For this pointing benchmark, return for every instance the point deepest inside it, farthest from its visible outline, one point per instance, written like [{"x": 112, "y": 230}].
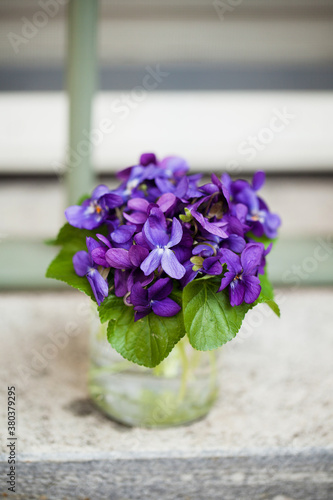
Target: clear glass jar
[{"x": 179, "y": 390}]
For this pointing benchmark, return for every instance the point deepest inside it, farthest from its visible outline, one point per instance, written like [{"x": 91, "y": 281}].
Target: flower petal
[
  {"x": 155, "y": 228},
  {"x": 82, "y": 218},
  {"x": 251, "y": 257},
  {"x": 99, "y": 191},
  {"x": 176, "y": 233},
  {"x": 252, "y": 288},
  {"x": 82, "y": 263},
  {"x": 212, "y": 266},
  {"x": 123, "y": 233},
  {"x": 118, "y": 258},
  {"x": 166, "y": 307},
  {"x": 258, "y": 180},
  {"x": 98, "y": 256},
  {"x": 171, "y": 265},
  {"x": 139, "y": 295},
  {"x": 232, "y": 260},
  {"x": 137, "y": 254},
  {"x": 160, "y": 289},
  {"x": 236, "y": 293},
  {"x": 111, "y": 200},
  {"x": 226, "y": 280},
  {"x": 120, "y": 282},
  {"x": 152, "y": 261},
  {"x": 98, "y": 285},
  {"x": 138, "y": 204},
  {"x": 166, "y": 201}
]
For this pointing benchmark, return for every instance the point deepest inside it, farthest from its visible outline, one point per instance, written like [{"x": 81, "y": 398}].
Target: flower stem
[{"x": 185, "y": 371}]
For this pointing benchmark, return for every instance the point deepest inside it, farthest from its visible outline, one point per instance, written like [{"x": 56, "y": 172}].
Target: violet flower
[
  {"x": 241, "y": 277},
  {"x": 155, "y": 233},
  {"x": 127, "y": 268},
  {"x": 85, "y": 266},
  {"x": 154, "y": 299},
  {"x": 94, "y": 211}
]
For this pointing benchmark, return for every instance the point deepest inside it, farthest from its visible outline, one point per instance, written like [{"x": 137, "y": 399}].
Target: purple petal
[
  {"x": 123, "y": 233},
  {"x": 235, "y": 243},
  {"x": 98, "y": 256},
  {"x": 147, "y": 158},
  {"x": 271, "y": 224},
  {"x": 160, "y": 290},
  {"x": 176, "y": 233},
  {"x": 164, "y": 185},
  {"x": 252, "y": 288},
  {"x": 182, "y": 187},
  {"x": 236, "y": 293},
  {"x": 232, "y": 260},
  {"x": 152, "y": 261},
  {"x": 166, "y": 201},
  {"x": 226, "y": 280},
  {"x": 104, "y": 240},
  {"x": 120, "y": 282},
  {"x": 154, "y": 229},
  {"x": 137, "y": 254},
  {"x": 258, "y": 180},
  {"x": 166, "y": 307},
  {"x": 136, "y": 275},
  {"x": 212, "y": 266},
  {"x": 204, "y": 250},
  {"x": 249, "y": 198},
  {"x": 251, "y": 257},
  {"x": 138, "y": 204},
  {"x": 141, "y": 314},
  {"x": 82, "y": 263},
  {"x": 118, "y": 258},
  {"x": 171, "y": 265},
  {"x": 80, "y": 217},
  {"x": 99, "y": 191},
  {"x": 141, "y": 240},
  {"x": 174, "y": 165},
  {"x": 112, "y": 200},
  {"x": 91, "y": 244},
  {"x": 98, "y": 285},
  {"x": 211, "y": 227},
  {"x": 189, "y": 274},
  {"x": 136, "y": 217},
  {"x": 139, "y": 295}
]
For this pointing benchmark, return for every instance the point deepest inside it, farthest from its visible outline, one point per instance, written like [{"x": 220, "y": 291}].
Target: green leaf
[
  {"x": 262, "y": 239},
  {"x": 267, "y": 294},
  {"x": 146, "y": 341},
  {"x": 210, "y": 320},
  {"x": 69, "y": 235},
  {"x": 61, "y": 268},
  {"x": 266, "y": 286},
  {"x": 111, "y": 308}
]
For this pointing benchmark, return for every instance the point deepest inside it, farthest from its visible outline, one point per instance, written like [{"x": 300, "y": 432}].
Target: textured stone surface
[{"x": 269, "y": 435}]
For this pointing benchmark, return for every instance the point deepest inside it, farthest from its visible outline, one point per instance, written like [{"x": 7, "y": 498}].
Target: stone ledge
[
  {"x": 281, "y": 476},
  {"x": 268, "y": 437}
]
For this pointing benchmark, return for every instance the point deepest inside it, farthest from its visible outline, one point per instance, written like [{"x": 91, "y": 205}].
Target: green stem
[{"x": 185, "y": 371}]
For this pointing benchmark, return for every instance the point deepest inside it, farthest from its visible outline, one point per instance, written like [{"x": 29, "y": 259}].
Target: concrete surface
[{"x": 268, "y": 437}]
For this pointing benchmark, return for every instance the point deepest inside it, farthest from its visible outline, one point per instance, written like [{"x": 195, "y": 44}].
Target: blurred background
[{"x": 232, "y": 85}]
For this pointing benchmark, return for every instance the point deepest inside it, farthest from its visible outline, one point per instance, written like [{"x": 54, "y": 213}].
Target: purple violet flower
[
  {"x": 94, "y": 211},
  {"x": 155, "y": 233},
  {"x": 241, "y": 277},
  {"x": 127, "y": 268},
  {"x": 154, "y": 299},
  {"x": 85, "y": 266}
]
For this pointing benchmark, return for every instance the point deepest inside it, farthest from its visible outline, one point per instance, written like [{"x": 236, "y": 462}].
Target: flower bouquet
[{"x": 165, "y": 257}]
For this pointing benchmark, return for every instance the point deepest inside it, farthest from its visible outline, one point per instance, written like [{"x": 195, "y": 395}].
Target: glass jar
[{"x": 179, "y": 390}]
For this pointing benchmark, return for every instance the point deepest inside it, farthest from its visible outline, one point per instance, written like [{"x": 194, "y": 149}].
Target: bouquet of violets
[{"x": 165, "y": 257}]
